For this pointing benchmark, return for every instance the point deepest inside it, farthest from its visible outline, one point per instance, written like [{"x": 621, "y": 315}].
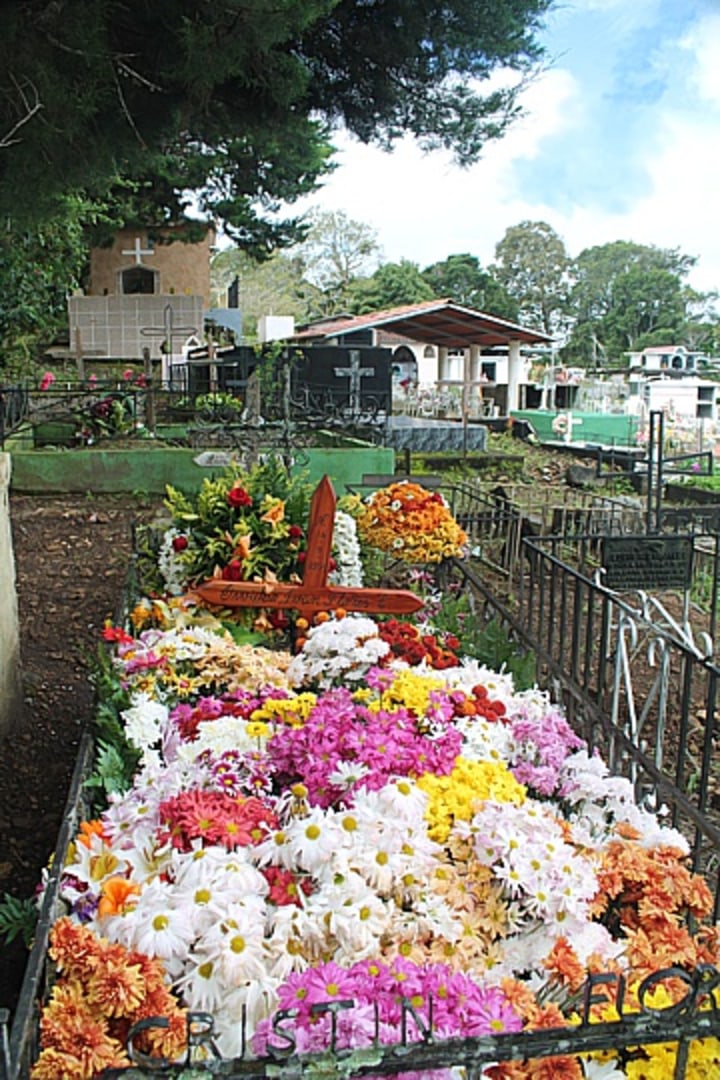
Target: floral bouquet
[{"x": 411, "y": 523}]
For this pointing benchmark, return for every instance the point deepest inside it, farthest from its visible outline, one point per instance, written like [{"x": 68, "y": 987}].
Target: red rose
[
  {"x": 239, "y": 497},
  {"x": 295, "y": 532},
  {"x": 179, "y": 543},
  {"x": 233, "y": 571}
]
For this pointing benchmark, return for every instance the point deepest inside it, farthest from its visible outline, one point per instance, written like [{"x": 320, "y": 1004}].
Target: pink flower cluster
[
  {"x": 451, "y": 1001},
  {"x": 545, "y": 743},
  {"x": 386, "y": 744}
]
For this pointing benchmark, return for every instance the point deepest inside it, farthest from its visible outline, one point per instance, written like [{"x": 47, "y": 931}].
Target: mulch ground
[{"x": 71, "y": 559}]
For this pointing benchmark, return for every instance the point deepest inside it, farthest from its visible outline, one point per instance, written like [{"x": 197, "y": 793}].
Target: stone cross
[
  {"x": 314, "y": 594},
  {"x": 355, "y": 373},
  {"x": 168, "y": 330},
  {"x": 138, "y": 252}
]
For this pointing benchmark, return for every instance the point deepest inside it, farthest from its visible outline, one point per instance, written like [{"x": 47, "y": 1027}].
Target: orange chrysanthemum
[{"x": 563, "y": 962}]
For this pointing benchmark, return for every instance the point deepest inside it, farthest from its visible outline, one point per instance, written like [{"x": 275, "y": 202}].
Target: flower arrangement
[
  {"x": 248, "y": 526},
  {"x": 411, "y": 523},
  {"x": 359, "y": 822},
  {"x": 292, "y": 838}
]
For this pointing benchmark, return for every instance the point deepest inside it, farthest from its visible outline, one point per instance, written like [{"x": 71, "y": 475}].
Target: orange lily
[{"x": 115, "y": 894}]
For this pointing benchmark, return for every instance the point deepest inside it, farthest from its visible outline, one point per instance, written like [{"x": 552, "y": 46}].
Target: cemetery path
[{"x": 71, "y": 557}]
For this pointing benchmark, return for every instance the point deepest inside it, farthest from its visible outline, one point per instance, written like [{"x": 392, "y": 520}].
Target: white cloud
[
  {"x": 595, "y": 170},
  {"x": 703, "y": 42}
]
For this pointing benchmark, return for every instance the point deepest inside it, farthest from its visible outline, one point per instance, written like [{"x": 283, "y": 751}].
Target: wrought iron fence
[{"x": 14, "y": 404}]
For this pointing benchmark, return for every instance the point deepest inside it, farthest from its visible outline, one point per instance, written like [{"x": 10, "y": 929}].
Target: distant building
[{"x": 148, "y": 289}]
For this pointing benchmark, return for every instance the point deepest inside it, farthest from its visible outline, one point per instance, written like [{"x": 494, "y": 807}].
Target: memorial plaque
[{"x": 651, "y": 563}]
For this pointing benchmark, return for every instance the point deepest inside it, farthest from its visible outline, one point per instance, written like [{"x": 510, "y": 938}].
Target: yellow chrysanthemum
[
  {"x": 456, "y": 797},
  {"x": 410, "y": 690},
  {"x": 292, "y": 711}
]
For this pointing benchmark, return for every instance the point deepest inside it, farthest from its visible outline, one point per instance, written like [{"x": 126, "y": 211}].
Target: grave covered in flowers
[{"x": 338, "y": 839}]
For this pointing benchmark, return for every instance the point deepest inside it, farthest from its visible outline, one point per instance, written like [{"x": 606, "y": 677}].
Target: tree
[
  {"x": 625, "y": 296},
  {"x": 461, "y": 278},
  {"x": 154, "y": 105},
  {"x": 533, "y": 265},
  {"x": 38, "y": 267},
  {"x": 392, "y": 285},
  {"x": 335, "y": 253},
  {"x": 276, "y": 286}
]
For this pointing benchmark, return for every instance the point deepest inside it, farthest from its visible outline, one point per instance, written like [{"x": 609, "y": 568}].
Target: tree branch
[{"x": 31, "y": 107}]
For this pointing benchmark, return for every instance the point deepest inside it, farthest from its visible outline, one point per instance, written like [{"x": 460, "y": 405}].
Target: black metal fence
[{"x": 14, "y": 406}]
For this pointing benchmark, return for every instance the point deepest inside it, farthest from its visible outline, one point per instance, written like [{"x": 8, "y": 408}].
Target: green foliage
[
  {"x": 336, "y": 252},
  {"x": 460, "y": 278},
  {"x": 256, "y": 532},
  {"x": 533, "y": 265},
  {"x": 488, "y": 643},
  {"x": 18, "y": 918},
  {"x": 39, "y": 266},
  {"x": 625, "y": 296},
  {"x": 110, "y": 772},
  {"x": 116, "y": 760},
  {"x": 142, "y": 105},
  {"x": 391, "y": 285}
]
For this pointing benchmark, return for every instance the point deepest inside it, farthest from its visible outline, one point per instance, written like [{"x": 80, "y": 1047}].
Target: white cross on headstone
[
  {"x": 138, "y": 251},
  {"x": 355, "y": 373}
]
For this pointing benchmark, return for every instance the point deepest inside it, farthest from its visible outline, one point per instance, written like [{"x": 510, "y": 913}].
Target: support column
[
  {"x": 442, "y": 363},
  {"x": 10, "y": 692},
  {"x": 514, "y": 376}
]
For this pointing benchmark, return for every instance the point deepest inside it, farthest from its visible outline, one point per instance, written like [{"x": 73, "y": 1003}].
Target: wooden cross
[
  {"x": 314, "y": 594},
  {"x": 168, "y": 330},
  {"x": 138, "y": 252},
  {"x": 355, "y": 373}
]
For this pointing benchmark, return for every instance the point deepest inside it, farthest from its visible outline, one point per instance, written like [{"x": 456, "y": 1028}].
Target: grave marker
[{"x": 314, "y": 594}]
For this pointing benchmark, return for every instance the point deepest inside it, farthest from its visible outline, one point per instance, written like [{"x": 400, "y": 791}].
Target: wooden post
[{"x": 149, "y": 392}]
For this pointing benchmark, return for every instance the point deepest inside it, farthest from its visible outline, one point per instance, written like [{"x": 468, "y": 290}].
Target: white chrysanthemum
[
  {"x": 145, "y": 721},
  {"x": 235, "y": 943},
  {"x": 339, "y": 650},
  {"x": 171, "y": 564},
  {"x": 355, "y": 917},
  {"x": 155, "y": 926},
  {"x": 187, "y": 642},
  {"x": 349, "y": 570},
  {"x": 470, "y": 673},
  {"x": 286, "y": 940},
  {"x": 314, "y": 839},
  {"x": 485, "y": 740},
  {"x": 219, "y": 735}
]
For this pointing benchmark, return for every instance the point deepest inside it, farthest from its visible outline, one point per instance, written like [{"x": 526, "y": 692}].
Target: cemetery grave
[{"x": 419, "y": 1061}]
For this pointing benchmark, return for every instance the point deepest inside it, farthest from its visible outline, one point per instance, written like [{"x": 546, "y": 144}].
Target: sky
[{"x": 620, "y": 141}]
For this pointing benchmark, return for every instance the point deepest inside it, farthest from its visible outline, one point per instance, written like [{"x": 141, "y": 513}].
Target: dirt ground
[{"x": 71, "y": 558}]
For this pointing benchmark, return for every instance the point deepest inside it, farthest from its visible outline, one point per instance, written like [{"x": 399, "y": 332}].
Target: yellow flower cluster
[
  {"x": 658, "y": 1060},
  {"x": 409, "y": 690},
  {"x": 292, "y": 711},
  {"x": 456, "y": 797},
  {"x": 411, "y": 523}
]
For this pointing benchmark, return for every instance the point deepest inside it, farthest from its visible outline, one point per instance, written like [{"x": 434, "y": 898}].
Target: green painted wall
[
  {"x": 45, "y": 472},
  {"x": 606, "y": 429}
]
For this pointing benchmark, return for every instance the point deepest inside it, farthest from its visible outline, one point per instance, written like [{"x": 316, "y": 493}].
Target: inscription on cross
[
  {"x": 314, "y": 594},
  {"x": 355, "y": 373}
]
